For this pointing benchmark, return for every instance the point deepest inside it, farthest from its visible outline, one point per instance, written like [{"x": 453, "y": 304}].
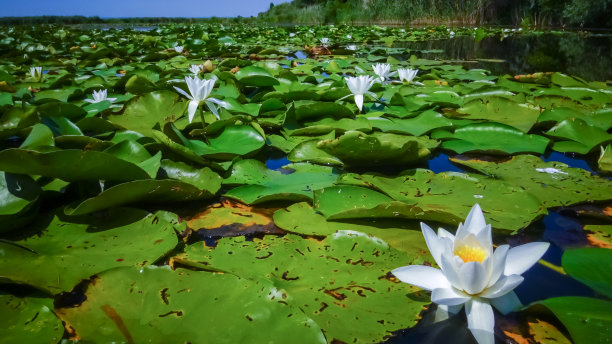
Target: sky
[{"x": 136, "y": 8}]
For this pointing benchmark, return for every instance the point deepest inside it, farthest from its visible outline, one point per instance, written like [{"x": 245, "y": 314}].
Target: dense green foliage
[
  {"x": 108, "y": 186},
  {"x": 590, "y": 13}
]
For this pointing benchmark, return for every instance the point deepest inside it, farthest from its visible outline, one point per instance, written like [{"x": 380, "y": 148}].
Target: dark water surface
[{"x": 589, "y": 57}]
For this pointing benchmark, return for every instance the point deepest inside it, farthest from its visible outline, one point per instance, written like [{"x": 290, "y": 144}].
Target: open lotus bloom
[
  {"x": 472, "y": 273},
  {"x": 359, "y": 86},
  {"x": 199, "y": 91},
  {"x": 383, "y": 70},
  {"x": 36, "y": 72},
  {"x": 407, "y": 74},
  {"x": 179, "y": 49},
  {"x": 99, "y": 96}
]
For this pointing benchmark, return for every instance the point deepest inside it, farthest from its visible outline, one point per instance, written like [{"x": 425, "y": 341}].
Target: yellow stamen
[{"x": 470, "y": 254}]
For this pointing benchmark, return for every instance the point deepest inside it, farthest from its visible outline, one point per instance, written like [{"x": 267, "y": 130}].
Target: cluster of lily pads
[{"x": 125, "y": 217}]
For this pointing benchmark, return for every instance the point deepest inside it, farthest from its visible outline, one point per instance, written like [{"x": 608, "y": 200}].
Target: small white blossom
[
  {"x": 407, "y": 74},
  {"x": 359, "y": 86},
  {"x": 179, "y": 49},
  {"x": 99, "y": 96},
  {"x": 199, "y": 91},
  {"x": 383, "y": 70}
]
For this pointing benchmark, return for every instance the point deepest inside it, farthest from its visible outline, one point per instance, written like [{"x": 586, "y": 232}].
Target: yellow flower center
[{"x": 470, "y": 254}]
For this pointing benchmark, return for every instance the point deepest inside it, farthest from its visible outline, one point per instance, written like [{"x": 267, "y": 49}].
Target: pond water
[{"x": 589, "y": 57}]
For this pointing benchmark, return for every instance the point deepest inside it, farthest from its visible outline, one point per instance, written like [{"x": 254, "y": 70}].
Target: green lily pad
[
  {"x": 590, "y": 266},
  {"x": 67, "y": 250},
  {"x": 143, "y": 113},
  {"x": 29, "y": 320},
  {"x": 502, "y": 110},
  {"x": 341, "y": 282},
  {"x": 581, "y": 137},
  {"x": 40, "y": 136},
  {"x": 92, "y": 165},
  {"x": 264, "y": 185},
  {"x": 255, "y": 76},
  {"x": 158, "y": 305},
  {"x": 309, "y": 110},
  {"x": 18, "y": 194},
  {"x": 599, "y": 235},
  {"x": 233, "y": 141},
  {"x": 356, "y": 148},
  {"x": 419, "y": 125},
  {"x": 587, "y": 320},
  {"x": 491, "y": 138},
  {"x": 553, "y": 183},
  {"x": 142, "y": 191},
  {"x": 447, "y": 197}
]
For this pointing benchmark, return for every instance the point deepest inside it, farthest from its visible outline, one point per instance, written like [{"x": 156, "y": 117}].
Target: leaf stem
[{"x": 553, "y": 267}]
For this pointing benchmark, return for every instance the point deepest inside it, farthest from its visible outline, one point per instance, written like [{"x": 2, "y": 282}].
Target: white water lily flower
[
  {"x": 199, "y": 91},
  {"x": 472, "y": 273},
  {"x": 359, "y": 86},
  {"x": 179, "y": 49},
  {"x": 407, "y": 74},
  {"x": 36, "y": 72},
  {"x": 349, "y": 36},
  {"x": 324, "y": 41},
  {"x": 292, "y": 34},
  {"x": 383, "y": 70},
  {"x": 99, "y": 96},
  {"x": 195, "y": 69},
  {"x": 351, "y": 47}
]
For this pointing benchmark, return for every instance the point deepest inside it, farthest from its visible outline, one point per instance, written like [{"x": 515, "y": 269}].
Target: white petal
[
  {"x": 193, "y": 106},
  {"x": 505, "y": 285},
  {"x": 474, "y": 277},
  {"x": 433, "y": 243},
  {"x": 221, "y": 103},
  {"x": 179, "y": 90},
  {"x": 443, "y": 312},
  {"x": 498, "y": 264},
  {"x": 450, "y": 270},
  {"x": 359, "y": 101},
  {"x": 481, "y": 321},
  {"x": 424, "y": 277},
  {"x": 443, "y": 233},
  {"x": 507, "y": 303},
  {"x": 475, "y": 220},
  {"x": 212, "y": 108},
  {"x": 521, "y": 258},
  {"x": 448, "y": 296}
]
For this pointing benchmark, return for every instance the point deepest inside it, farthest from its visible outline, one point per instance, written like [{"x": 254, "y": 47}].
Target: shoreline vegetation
[{"x": 564, "y": 14}]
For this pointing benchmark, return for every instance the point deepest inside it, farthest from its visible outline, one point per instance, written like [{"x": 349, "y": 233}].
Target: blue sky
[{"x": 136, "y": 8}]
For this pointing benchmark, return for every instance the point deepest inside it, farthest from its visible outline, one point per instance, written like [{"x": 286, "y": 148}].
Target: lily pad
[
  {"x": 143, "y": 113},
  {"x": 492, "y": 138},
  {"x": 356, "y": 148},
  {"x": 581, "y": 137},
  {"x": 502, "y": 110},
  {"x": 553, "y": 183},
  {"x": 158, "y": 305},
  {"x": 590, "y": 266},
  {"x": 28, "y": 320},
  {"x": 587, "y": 320},
  {"x": 66, "y": 250},
  {"x": 264, "y": 185},
  {"x": 447, "y": 198},
  {"x": 92, "y": 165},
  {"x": 340, "y": 282}
]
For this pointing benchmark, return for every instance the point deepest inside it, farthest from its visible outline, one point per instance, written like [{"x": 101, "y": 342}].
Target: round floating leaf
[
  {"x": 342, "y": 282},
  {"x": 553, "y": 183},
  {"x": 310, "y": 151},
  {"x": 29, "y": 320},
  {"x": 337, "y": 199},
  {"x": 66, "y": 250},
  {"x": 142, "y": 113},
  {"x": 587, "y": 320},
  {"x": 492, "y": 137},
  {"x": 448, "y": 197},
  {"x": 141, "y": 191},
  {"x": 423, "y": 123},
  {"x": 502, "y": 110},
  {"x": 40, "y": 136},
  {"x": 591, "y": 266},
  {"x": 582, "y": 136},
  {"x": 267, "y": 185},
  {"x": 70, "y": 165},
  {"x": 234, "y": 140},
  {"x": 255, "y": 76},
  {"x": 356, "y": 148},
  {"x": 158, "y": 305},
  {"x": 310, "y": 110},
  {"x": 139, "y": 84}
]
